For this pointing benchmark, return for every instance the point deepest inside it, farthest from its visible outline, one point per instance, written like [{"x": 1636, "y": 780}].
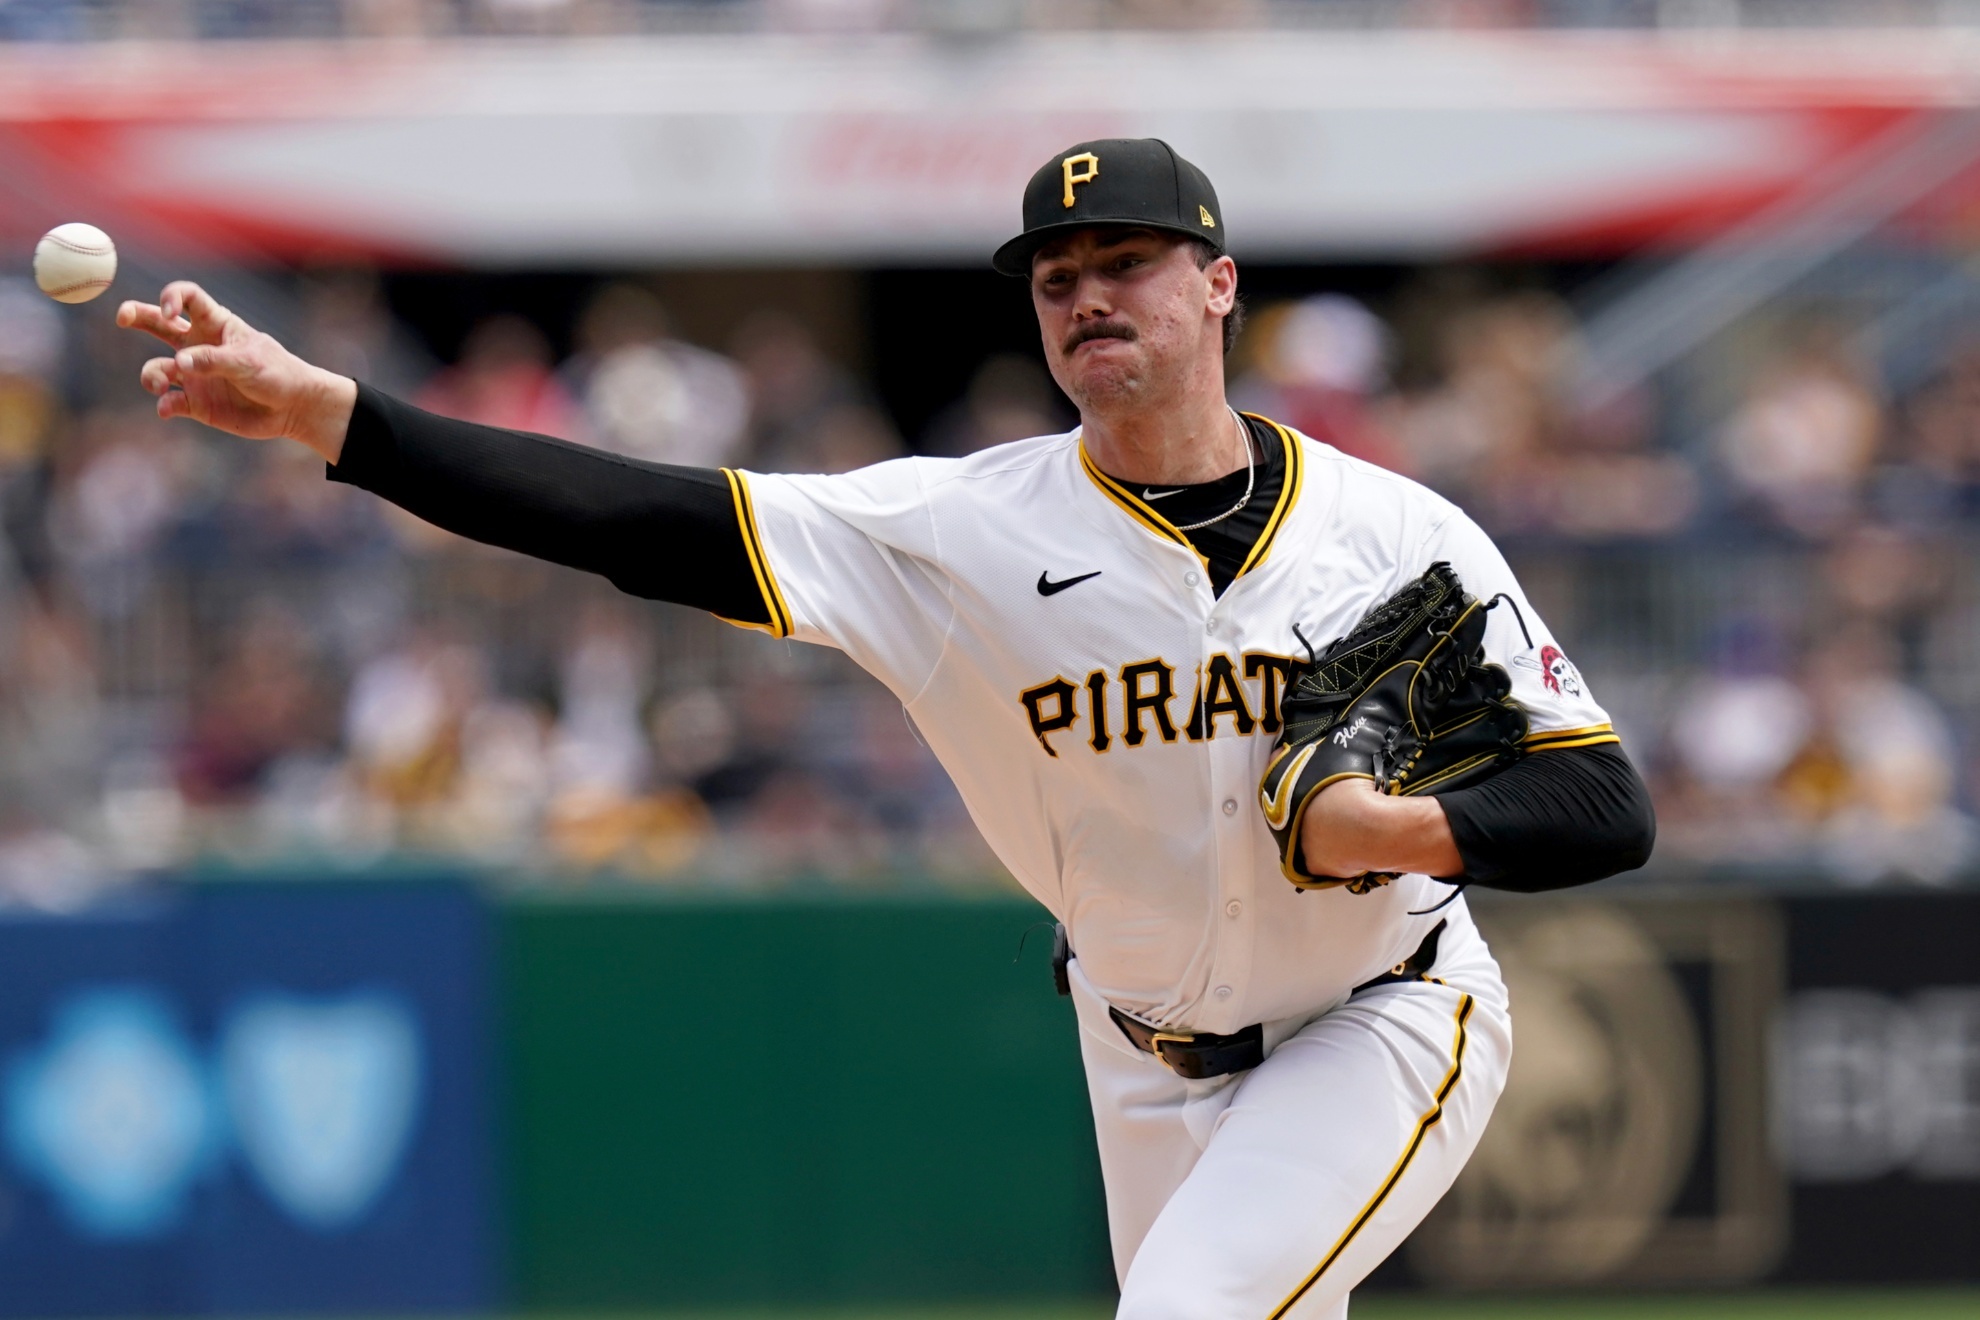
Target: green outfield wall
[
  {"x": 735, "y": 1101},
  {"x": 738, "y": 1100}
]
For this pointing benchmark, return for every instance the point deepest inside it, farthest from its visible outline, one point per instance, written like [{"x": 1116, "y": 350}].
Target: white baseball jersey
[{"x": 1106, "y": 717}]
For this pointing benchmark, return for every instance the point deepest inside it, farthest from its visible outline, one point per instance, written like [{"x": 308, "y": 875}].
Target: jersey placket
[
  {"x": 1231, "y": 791},
  {"x": 1234, "y": 767},
  {"x": 1230, "y": 794},
  {"x": 1231, "y": 764}
]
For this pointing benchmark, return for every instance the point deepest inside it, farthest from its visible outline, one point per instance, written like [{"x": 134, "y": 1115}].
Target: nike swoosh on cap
[{"x": 1047, "y": 587}]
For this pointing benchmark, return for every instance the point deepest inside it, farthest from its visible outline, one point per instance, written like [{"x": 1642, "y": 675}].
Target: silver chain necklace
[{"x": 1250, "y": 481}]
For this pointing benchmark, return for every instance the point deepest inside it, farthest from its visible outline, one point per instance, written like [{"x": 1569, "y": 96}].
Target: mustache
[{"x": 1099, "y": 330}]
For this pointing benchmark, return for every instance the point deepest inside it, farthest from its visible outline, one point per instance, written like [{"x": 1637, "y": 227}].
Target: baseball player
[{"x": 1292, "y": 1031}]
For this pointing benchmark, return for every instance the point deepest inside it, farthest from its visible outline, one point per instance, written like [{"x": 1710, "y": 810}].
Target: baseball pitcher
[{"x": 1245, "y": 714}]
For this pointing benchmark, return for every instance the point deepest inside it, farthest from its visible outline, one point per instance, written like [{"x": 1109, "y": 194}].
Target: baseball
[{"x": 74, "y": 262}]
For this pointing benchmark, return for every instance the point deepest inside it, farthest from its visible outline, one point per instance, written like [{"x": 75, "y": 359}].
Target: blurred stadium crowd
[
  {"x": 80, "y": 20},
  {"x": 211, "y": 655}
]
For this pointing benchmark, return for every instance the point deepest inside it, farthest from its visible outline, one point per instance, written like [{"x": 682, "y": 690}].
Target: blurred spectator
[
  {"x": 347, "y": 328},
  {"x": 1500, "y": 434},
  {"x": 1931, "y": 476},
  {"x": 606, "y": 807},
  {"x": 650, "y": 396},
  {"x": 52, "y": 718},
  {"x": 1851, "y": 769},
  {"x": 1896, "y": 817},
  {"x": 258, "y": 705},
  {"x": 834, "y": 15},
  {"x": 845, "y": 438},
  {"x": 694, "y": 736},
  {"x": 1317, "y": 365},
  {"x": 146, "y": 823},
  {"x": 1736, "y": 731},
  {"x": 799, "y": 822},
  {"x": 540, "y": 18},
  {"x": 504, "y": 782},
  {"x": 1801, "y": 446},
  {"x": 600, "y": 746},
  {"x": 1009, "y": 398},
  {"x": 397, "y": 18},
  {"x": 807, "y": 413},
  {"x": 30, "y": 359},
  {"x": 282, "y": 509},
  {"x": 504, "y": 378},
  {"x": 1483, "y": 428},
  {"x": 267, "y": 18},
  {"x": 47, "y": 870},
  {"x": 1887, "y": 577},
  {"x": 1606, "y": 482},
  {"x": 119, "y": 493},
  {"x": 404, "y": 719},
  {"x": 1740, "y": 727}
]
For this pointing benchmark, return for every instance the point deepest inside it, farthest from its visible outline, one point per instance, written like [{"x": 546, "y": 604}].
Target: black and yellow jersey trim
[
  {"x": 1556, "y": 740},
  {"x": 1429, "y": 1120},
  {"x": 778, "y": 613},
  {"x": 1139, "y": 510},
  {"x": 1134, "y": 506},
  {"x": 1288, "y": 495}
]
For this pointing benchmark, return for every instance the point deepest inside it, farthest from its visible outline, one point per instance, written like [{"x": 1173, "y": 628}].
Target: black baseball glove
[{"x": 1406, "y": 699}]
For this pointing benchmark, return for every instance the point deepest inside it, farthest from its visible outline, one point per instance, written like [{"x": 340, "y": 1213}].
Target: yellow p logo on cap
[{"x": 1092, "y": 164}]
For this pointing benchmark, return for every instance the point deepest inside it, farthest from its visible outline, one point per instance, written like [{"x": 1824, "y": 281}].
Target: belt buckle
[{"x": 1179, "y": 1037}]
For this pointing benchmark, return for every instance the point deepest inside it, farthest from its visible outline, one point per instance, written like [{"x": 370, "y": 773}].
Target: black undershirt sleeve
[
  {"x": 1553, "y": 819},
  {"x": 655, "y": 530}
]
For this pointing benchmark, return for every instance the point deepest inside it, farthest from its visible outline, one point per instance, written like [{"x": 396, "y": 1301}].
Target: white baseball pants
[{"x": 1272, "y": 1193}]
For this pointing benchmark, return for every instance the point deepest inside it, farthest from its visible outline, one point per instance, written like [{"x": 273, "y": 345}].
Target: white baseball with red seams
[
  {"x": 1107, "y": 724},
  {"x": 74, "y": 262}
]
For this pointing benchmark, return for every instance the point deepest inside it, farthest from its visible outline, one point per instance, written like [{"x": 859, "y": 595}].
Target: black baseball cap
[{"x": 1114, "y": 181}]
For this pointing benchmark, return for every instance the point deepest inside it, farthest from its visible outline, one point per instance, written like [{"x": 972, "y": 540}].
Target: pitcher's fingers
[
  {"x": 159, "y": 375},
  {"x": 184, "y": 298},
  {"x": 150, "y": 319},
  {"x": 174, "y": 403},
  {"x": 210, "y": 360}
]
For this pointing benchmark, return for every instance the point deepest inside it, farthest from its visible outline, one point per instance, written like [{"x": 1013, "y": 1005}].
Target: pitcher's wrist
[{"x": 326, "y": 414}]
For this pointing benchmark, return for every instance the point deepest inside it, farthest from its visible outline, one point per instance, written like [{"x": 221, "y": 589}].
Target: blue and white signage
[
  {"x": 113, "y": 1112},
  {"x": 323, "y": 1093},
  {"x": 256, "y": 1099}
]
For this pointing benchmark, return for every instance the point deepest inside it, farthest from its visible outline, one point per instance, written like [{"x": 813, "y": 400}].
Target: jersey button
[
  {"x": 1210, "y": 624},
  {"x": 1223, "y": 992},
  {"x": 1233, "y": 908},
  {"x": 1230, "y": 806},
  {"x": 1190, "y": 578}
]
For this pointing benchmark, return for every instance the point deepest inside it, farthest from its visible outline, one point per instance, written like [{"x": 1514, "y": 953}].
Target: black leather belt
[
  {"x": 1195, "y": 1055},
  {"x": 1413, "y": 968},
  {"x": 1201, "y": 1054}
]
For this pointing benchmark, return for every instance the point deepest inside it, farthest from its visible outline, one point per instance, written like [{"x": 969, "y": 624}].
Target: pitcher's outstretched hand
[{"x": 227, "y": 374}]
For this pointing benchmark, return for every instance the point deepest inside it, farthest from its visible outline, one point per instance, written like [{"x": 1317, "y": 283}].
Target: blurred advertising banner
[
  {"x": 1721, "y": 1091},
  {"x": 909, "y": 149},
  {"x": 247, "y": 1099}
]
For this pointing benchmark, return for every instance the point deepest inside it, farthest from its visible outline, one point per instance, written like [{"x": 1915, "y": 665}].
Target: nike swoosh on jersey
[
  {"x": 1047, "y": 587},
  {"x": 1147, "y": 494},
  {"x": 1278, "y": 805}
]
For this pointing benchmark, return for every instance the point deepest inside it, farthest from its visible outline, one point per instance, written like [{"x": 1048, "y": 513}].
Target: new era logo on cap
[{"x": 1124, "y": 181}]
